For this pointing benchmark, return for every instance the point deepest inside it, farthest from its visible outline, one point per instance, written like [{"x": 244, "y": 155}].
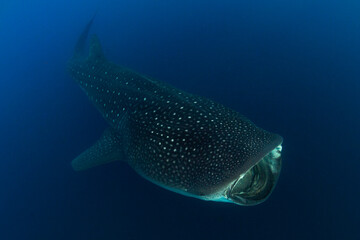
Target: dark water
[{"x": 292, "y": 67}]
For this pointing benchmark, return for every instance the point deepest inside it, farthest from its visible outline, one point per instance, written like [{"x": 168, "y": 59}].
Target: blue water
[{"x": 292, "y": 67}]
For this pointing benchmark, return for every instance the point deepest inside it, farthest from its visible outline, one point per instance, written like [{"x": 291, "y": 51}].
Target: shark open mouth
[{"x": 255, "y": 185}]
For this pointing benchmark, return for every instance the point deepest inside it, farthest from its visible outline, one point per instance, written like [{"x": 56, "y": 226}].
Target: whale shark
[{"x": 182, "y": 142}]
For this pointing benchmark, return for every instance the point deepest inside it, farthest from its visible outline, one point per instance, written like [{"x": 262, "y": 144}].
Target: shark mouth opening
[{"x": 255, "y": 185}]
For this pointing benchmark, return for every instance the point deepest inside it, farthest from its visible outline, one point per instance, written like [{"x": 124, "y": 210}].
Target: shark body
[{"x": 185, "y": 143}]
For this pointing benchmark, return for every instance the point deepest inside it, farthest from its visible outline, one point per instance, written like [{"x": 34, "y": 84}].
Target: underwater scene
[{"x": 150, "y": 119}]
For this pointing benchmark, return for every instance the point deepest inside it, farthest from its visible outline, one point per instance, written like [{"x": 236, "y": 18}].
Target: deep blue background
[{"x": 292, "y": 67}]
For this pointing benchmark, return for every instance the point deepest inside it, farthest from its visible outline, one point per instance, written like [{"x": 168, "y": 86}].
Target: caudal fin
[
  {"x": 95, "y": 52},
  {"x": 81, "y": 43}
]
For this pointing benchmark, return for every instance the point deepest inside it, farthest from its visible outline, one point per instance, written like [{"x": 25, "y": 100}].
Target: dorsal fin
[{"x": 95, "y": 52}]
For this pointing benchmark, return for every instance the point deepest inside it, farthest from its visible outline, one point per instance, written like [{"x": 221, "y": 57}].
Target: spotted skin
[{"x": 175, "y": 139}]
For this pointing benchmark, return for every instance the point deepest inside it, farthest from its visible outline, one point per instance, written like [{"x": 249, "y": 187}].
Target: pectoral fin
[{"x": 107, "y": 149}]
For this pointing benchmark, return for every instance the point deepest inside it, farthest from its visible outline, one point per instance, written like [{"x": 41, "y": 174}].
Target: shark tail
[
  {"x": 81, "y": 43},
  {"x": 95, "y": 52}
]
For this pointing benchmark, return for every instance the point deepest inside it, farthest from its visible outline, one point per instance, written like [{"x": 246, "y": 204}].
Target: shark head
[{"x": 256, "y": 184}]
